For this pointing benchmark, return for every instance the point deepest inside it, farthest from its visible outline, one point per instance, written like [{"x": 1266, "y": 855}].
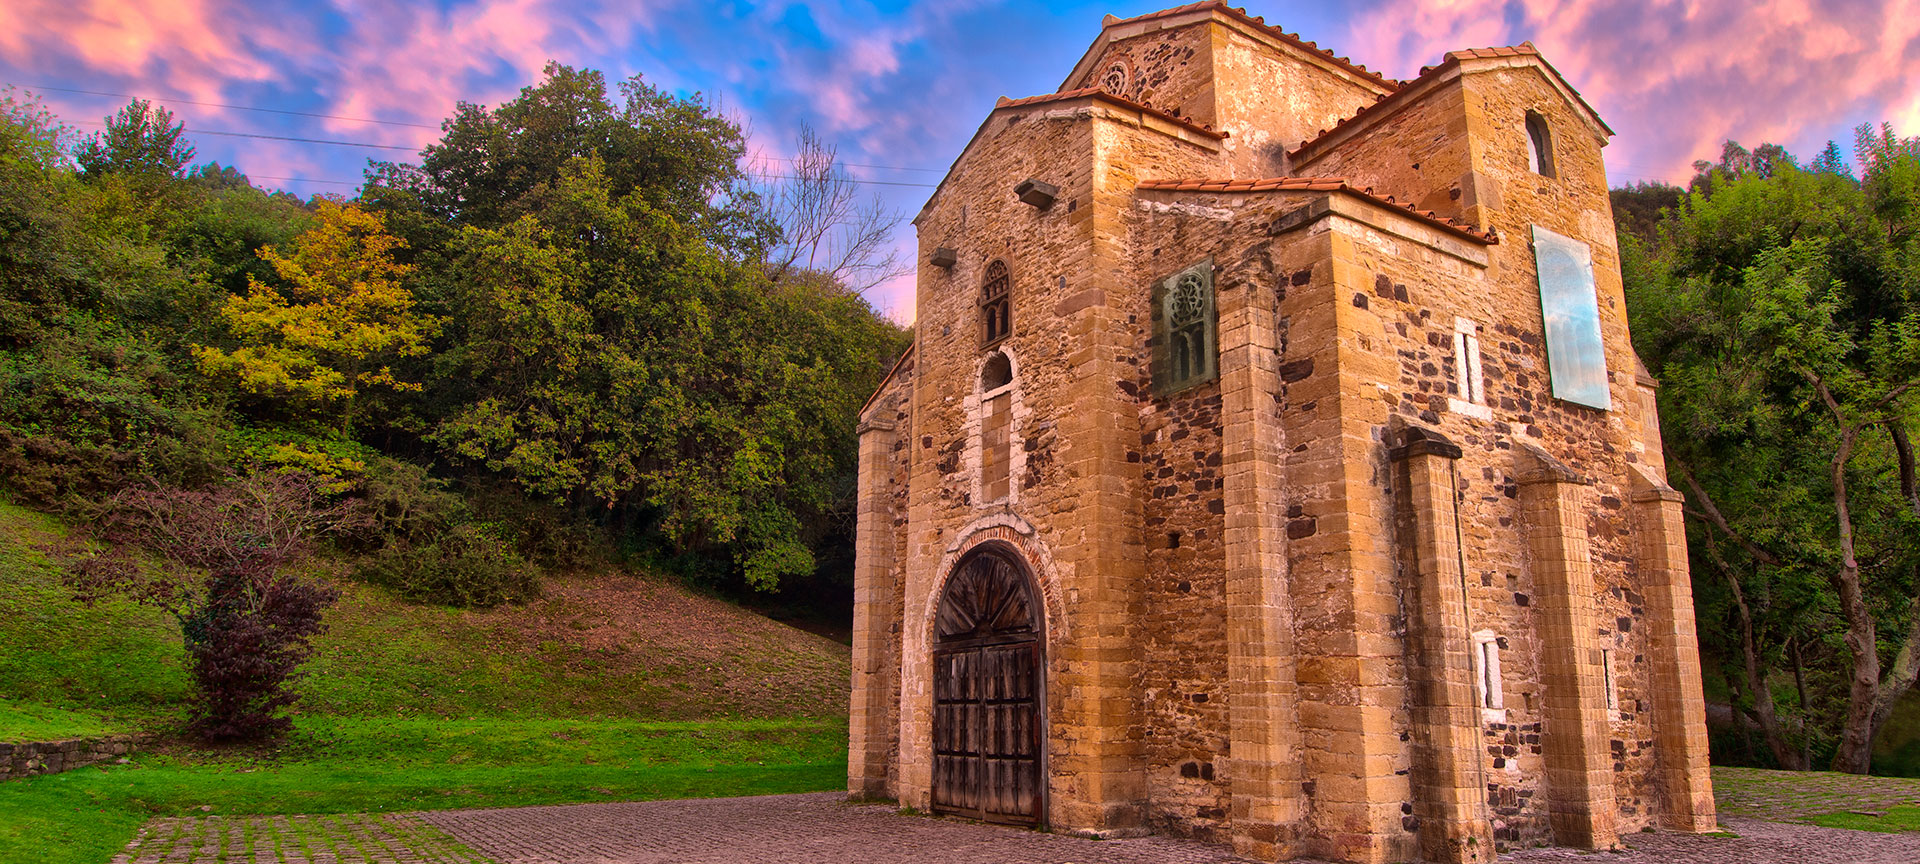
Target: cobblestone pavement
[
  {"x": 821, "y": 828},
  {"x": 357, "y": 838},
  {"x": 818, "y": 828}
]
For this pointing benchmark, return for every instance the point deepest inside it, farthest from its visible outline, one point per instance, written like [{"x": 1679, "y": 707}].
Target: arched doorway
[{"x": 988, "y": 691}]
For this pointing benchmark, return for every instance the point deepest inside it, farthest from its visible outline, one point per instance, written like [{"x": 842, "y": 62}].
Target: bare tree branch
[
  {"x": 826, "y": 228},
  {"x": 1714, "y": 517}
]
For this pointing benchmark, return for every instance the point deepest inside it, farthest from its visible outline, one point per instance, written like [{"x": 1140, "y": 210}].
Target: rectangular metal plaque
[{"x": 1576, "y": 356}]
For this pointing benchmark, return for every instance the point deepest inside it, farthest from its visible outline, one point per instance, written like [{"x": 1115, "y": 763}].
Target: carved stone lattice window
[
  {"x": 1186, "y": 350},
  {"x": 1115, "y": 81},
  {"x": 996, "y": 309}
]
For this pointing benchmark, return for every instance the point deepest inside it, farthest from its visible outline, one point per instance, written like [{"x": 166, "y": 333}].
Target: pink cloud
[
  {"x": 195, "y": 44},
  {"x": 415, "y": 63},
  {"x": 1674, "y": 78}
]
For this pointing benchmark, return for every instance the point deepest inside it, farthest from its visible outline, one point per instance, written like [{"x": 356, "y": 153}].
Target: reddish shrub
[{"x": 222, "y": 554}]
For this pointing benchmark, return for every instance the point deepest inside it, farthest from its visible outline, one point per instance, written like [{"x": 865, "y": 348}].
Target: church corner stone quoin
[{"x": 1272, "y": 467}]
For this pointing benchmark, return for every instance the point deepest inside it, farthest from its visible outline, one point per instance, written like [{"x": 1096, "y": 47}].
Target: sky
[{"x": 899, "y": 87}]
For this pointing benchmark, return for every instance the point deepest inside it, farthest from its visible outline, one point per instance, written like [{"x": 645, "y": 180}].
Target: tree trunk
[
  {"x": 1784, "y": 753},
  {"x": 1855, "y": 754},
  {"x": 1806, "y": 716},
  {"x": 1906, "y": 662}
]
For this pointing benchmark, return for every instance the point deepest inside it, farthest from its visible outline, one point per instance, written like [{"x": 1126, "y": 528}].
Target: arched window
[
  {"x": 1539, "y": 145},
  {"x": 997, "y": 373},
  {"x": 996, "y": 428},
  {"x": 995, "y": 307}
]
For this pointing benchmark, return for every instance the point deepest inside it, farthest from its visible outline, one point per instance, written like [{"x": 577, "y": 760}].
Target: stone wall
[
  {"x": 1273, "y": 600},
  {"x": 31, "y": 758},
  {"x": 1413, "y": 146}
]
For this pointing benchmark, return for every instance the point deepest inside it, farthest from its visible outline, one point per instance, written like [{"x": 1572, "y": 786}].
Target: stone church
[{"x": 1272, "y": 467}]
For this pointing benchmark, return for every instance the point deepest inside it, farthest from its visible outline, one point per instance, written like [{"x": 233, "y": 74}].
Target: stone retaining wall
[{"x": 52, "y": 757}]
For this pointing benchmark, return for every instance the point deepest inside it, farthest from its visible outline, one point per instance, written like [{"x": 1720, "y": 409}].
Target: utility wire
[
  {"x": 194, "y": 131},
  {"x": 846, "y": 179},
  {"x": 383, "y": 123},
  {"x": 302, "y": 180},
  {"x": 225, "y": 105}
]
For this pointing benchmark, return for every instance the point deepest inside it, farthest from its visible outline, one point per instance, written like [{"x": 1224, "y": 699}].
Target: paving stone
[{"x": 823, "y": 828}]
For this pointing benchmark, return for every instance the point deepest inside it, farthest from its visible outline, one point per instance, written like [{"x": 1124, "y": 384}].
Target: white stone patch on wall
[{"x": 1217, "y": 214}]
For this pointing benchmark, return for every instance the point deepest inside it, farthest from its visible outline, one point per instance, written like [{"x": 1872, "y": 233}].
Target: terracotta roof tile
[
  {"x": 1453, "y": 58},
  {"x": 1318, "y": 184},
  {"x": 1097, "y": 93},
  {"x": 1261, "y": 22}
]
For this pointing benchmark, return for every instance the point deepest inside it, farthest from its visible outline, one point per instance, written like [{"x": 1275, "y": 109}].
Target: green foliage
[
  {"x": 341, "y": 462},
  {"x": 468, "y": 566},
  {"x": 358, "y": 765},
  {"x": 1776, "y": 308},
  {"x": 613, "y": 346},
  {"x": 140, "y": 141},
  {"x": 31, "y": 132},
  {"x": 329, "y": 329},
  {"x": 608, "y": 347},
  {"x": 494, "y": 166},
  {"x": 89, "y": 409},
  {"x": 1637, "y": 206},
  {"x": 406, "y": 504}
]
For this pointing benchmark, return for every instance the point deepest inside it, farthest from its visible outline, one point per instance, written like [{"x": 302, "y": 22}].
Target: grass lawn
[
  {"x": 1894, "y": 820},
  {"x": 350, "y": 765},
  {"x": 26, "y": 721},
  {"x": 415, "y": 707}
]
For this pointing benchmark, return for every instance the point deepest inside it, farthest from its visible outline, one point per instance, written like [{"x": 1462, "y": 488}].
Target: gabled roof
[
  {"x": 1412, "y": 91},
  {"x": 1257, "y": 22},
  {"x": 887, "y": 379},
  {"x": 1321, "y": 184},
  {"x": 1093, "y": 93},
  {"x": 1122, "y": 101}
]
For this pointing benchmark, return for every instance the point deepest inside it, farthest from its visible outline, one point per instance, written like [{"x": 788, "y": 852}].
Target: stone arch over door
[{"x": 989, "y": 689}]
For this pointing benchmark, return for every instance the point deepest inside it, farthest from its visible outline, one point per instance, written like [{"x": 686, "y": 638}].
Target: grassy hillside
[
  {"x": 608, "y": 646},
  {"x": 114, "y": 657},
  {"x": 611, "y": 687}
]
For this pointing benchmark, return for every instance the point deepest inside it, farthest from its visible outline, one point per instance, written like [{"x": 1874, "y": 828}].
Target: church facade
[{"x": 1272, "y": 467}]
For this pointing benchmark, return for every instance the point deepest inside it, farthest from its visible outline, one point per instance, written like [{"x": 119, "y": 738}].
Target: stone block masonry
[
  {"x": 1352, "y": 584},
  {"x": 32, "y": 758}
]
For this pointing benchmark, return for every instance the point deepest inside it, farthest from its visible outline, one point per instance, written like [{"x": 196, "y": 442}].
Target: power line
[
  {"x": 224, "y": 105},
  {"x": 838, "y": 163},
  {"x": 194, "y": 131},
  {"x": 847, "y": 179},
  {"x": 388, "y": 123},
  {"x": 302, "y": 180}
]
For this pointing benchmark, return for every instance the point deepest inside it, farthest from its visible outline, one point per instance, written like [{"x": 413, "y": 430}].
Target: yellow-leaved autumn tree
[{"x": 333, "y": 327}]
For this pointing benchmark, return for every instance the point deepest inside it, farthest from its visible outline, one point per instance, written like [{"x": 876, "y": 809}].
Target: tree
[
  {"x": 223, "y": 553},
  {"x": 613, "y": 339},
  {"x": 140, "y": 141},
  {"x": 493, "y": 166},
  {"x": 31, "y": 132},
  {"x": 1637, "y": 207},
  {"x": 1777, "y": 309},
  {"x": 607, "y": 354},
  {"x": 825, "y": 227},
  {"x": 332, "y": 327}
]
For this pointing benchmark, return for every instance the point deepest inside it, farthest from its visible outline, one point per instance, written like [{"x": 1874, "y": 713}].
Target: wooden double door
[{"x": 988, "y": 693}]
